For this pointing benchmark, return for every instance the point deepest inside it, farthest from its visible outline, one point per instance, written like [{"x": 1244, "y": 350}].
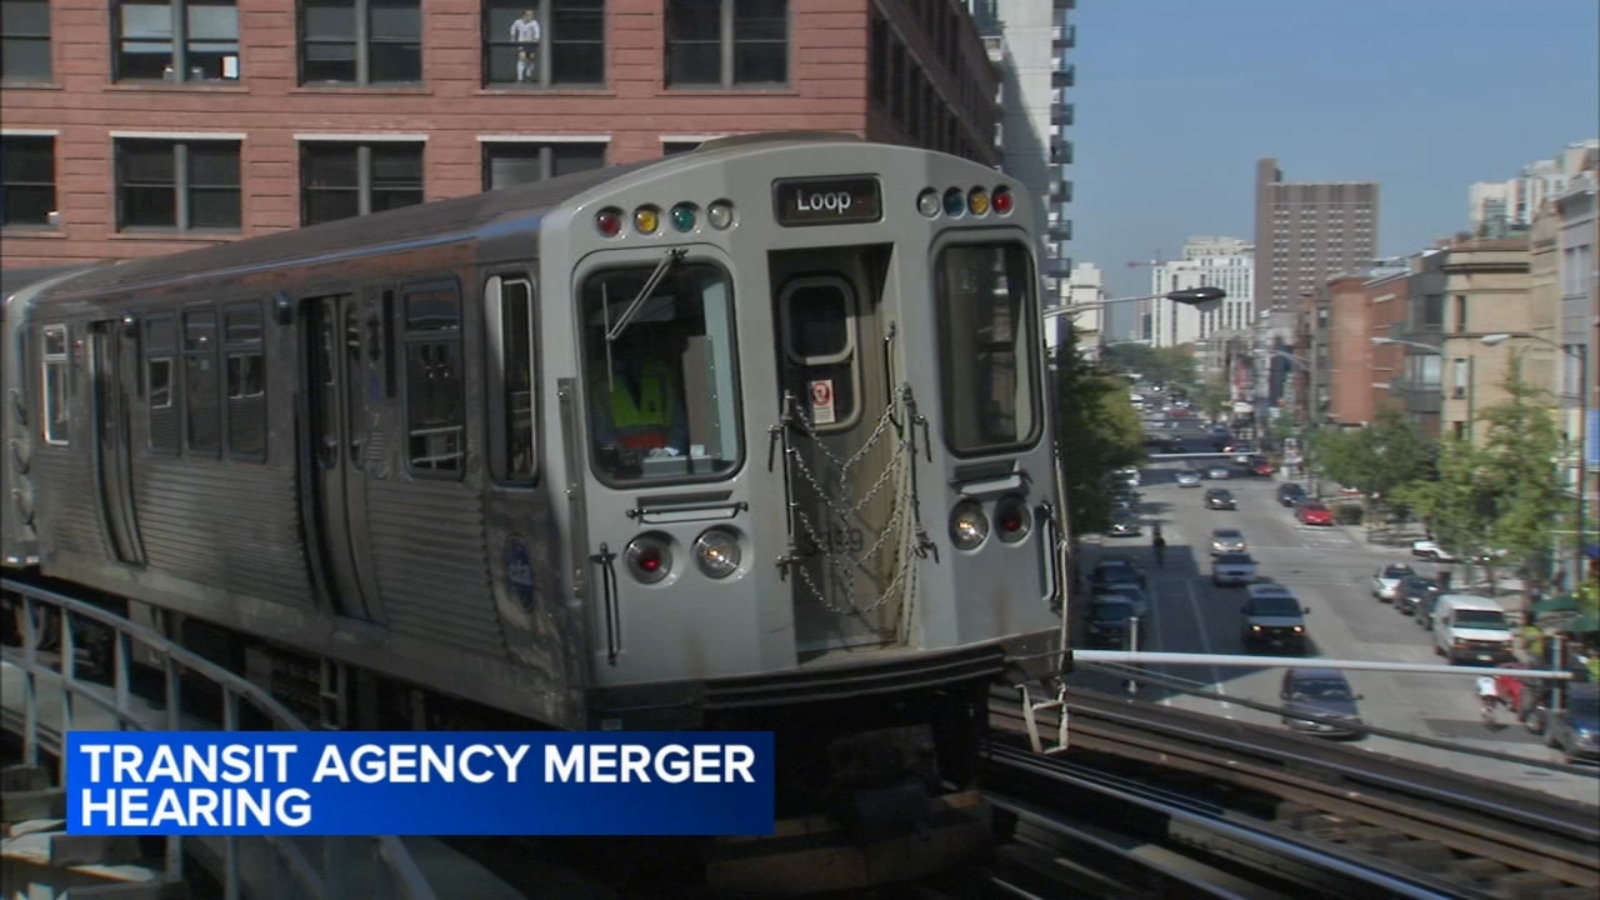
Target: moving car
[
  {"x": 1129, "y": 592},
  {"x": 1218, "y": 473},
  {"x": 1111, "y": 621},
  {"x": 1113, "y": 570},
  {"x": 1272, "y": 618},
  {"x": 1414, "y": 594},
  {"x": 1313, "y": 512},
  {"x": 1323, "y": 693},
  {"x": 1428, "y": 549},
  {"x": 1386, "y": 582},
  {"x": 1290, "y": 495},
  {"x": 1260, "y": 465},
  {"x": 1188, "y": 478},
  {"x": 1233, "y": 568},
  {"x": 1221, "y": 498},
  {"x": 1228, "y": 540},
  {"x": 1125, "y": 524}
]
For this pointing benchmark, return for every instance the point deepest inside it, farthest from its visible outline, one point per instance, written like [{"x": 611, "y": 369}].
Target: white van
[{"x": 1469, "y": 629}]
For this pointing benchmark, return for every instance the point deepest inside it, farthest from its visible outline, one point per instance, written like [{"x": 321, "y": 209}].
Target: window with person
[{"x": 660, "y": 374}]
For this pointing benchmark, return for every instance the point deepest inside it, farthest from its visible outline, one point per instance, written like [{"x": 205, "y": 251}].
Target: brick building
[{"x": 141, "y": 128}]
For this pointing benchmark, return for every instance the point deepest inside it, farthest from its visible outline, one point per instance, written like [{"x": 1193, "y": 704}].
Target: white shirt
[
  {"x": 1486, "y": 687},
  {"x": 525, "y": 32}
]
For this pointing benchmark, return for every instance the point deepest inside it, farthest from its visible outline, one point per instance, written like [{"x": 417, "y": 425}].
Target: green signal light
[{"x": 683, "y": 218}]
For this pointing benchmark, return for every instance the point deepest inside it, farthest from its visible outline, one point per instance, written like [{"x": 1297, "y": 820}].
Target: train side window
[
  {"x": 201, "y": 383},
  {"x": 513, "y": 451},
  {"x": 435, "y": 397},
  {"x": 57, "y": 383},
  {"x": 160, "y": 344},
  {"x": 247, "y": 383},
  {"x": 989, "y": 350}
]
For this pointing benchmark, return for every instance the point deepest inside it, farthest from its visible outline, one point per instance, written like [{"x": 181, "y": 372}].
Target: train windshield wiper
[{"x": 650, "y": 284}]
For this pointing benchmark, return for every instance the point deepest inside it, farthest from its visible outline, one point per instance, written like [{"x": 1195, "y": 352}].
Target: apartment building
[
  {"x": 135, "y": 129},
  {"x": 1308, "y": 232}
]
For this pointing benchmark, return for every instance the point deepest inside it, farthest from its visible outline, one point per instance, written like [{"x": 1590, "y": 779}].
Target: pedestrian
[{"x": 1160, "y": 545}]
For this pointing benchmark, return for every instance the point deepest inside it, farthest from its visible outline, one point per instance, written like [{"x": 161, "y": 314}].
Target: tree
[
  {"x": 1097, "y": 432},
  {"x": 1162, "y": 365},
  {"x": 1523, "y": 447},
  {"x": 1459, "y": 505}
]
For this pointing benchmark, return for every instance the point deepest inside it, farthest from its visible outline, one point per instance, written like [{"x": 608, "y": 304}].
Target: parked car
[
  {"x": 1242, "y": 452},
  {"x": 1290, "y": 495},
  {"x": 1221, "y": 498},
  {"x": 1324, "y": 693},
  {"x": 1575, "y": 731},
  {"x": 1313, "y": 512},
  {"x": 1261, "y": 466},
  {"x": 1386, "y": 582},
  {"x": 1116, "y": 570},
  {"x": 1272, "y": 618},
  {"x": 1228, "y": 540},
  {"x": 1414, "y": 594},
  {"x": 1188, "y": 479},
  {"x": 1131, "y": 592},
  {"x": 1233, "y": 568},
  {"x": 1218, "y": 473},
  {"x": 1431, "y": 550},
  {"x": 1110, "y": 622},
  {"x": 1473, "y": 630}
]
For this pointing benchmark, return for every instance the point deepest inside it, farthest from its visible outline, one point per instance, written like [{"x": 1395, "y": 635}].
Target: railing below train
[{"x": 298, "y": 867}]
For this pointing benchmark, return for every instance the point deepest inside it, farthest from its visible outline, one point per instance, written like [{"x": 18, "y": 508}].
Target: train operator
[{"x": 638, "y": 407}]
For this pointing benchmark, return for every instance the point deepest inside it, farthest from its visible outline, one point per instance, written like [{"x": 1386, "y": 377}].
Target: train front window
[
  {"x": 989, "y": 350},
  {"x": 662, "y": 393}
]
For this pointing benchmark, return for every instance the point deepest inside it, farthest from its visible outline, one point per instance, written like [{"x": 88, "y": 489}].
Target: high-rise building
[
  {"x": 1081, "y": 311},
  {"x": 1222, "y": 262},
  {"x": 1497, "y": 205},
  {"x": 1308, "y": 232},
  {"x": 142, "y": 129},
  {"x": 1030, "y": 40}
]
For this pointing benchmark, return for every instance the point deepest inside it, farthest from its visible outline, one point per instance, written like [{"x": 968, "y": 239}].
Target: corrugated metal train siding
[
  {"x": 66, "y": 501},
  {"x": 233, "y": 526},
  {"x": 427, "y": 545}
]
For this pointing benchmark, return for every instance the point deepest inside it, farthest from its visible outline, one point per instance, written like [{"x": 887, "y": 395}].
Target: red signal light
[
  {"x": 1001, "y": 200},
  {"x": 609, "y": 221}
]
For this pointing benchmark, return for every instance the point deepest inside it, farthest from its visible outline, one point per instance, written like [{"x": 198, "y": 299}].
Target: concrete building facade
[
  {"x": 135, "y": 130},
  {"x": 1495, "y": 205},
  {"x": 1486, "y": 291},
  {"x": 1224, "y": 262},
  {"x": 1309, "y": 232}
]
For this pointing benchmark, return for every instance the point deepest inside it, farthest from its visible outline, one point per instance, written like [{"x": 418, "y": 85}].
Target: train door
[
  {"x": 850, "y": 522},
  {"x": 341, "y": 333},
  {"x": 114, "y": 366}
]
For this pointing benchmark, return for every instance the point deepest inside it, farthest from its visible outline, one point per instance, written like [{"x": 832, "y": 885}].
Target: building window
[
  {"x": 27, "y": 180},
  {"x": 879, "y": 74},
  {"x": 341, "y": 180},
  {"x": 180, "y": 40},
  {"x": 202, "y": 410},
  {"x": 727, "y": 43},
  {"x": 673, "y": 148},
  {"x": 57, "y": 375},
  {"x": 160, "y": 345},
  {"x": 25, "y": 40},
  {"x": 897, "y": 80},
  {"x": 1459, "y": 429},
  {"x": 509, "y": 163},
  {"x": 247, "y": 383},
  {"x": 543, "y": 43},
  {"x": 360, "y": 41},
  {"x": 1458, "y": 377},
  {"x": 511, "y": 394},
  {"x": 435, "y": 398},
  {"x": 1461, "y": 313},
  {"x": 182, "y": 185}
]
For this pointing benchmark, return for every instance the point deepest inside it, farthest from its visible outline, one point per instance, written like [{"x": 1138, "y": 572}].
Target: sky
[{"x": 1177, "y": 99}]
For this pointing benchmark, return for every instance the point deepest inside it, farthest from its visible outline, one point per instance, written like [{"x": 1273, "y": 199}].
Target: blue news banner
[{"x": 425, "y": 783}]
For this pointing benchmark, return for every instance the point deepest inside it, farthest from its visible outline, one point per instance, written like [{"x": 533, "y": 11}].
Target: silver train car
[{"x": 383, "y": 445}]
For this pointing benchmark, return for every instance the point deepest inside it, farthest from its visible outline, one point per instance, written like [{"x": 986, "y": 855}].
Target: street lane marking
[{"x": 1205, "y": 643}]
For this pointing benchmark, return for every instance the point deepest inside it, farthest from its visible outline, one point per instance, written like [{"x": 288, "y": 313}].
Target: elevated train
[{"x": 370, "y": 448}]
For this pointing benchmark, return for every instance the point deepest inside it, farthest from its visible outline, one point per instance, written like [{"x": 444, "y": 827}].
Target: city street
[{"x": 1330, "y": 569}]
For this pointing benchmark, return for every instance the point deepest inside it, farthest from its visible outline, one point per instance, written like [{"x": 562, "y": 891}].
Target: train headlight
[
  {"x": 683, "y": 217},
  {"x": 647, "y": 219},
  {"x": 978, "y": 201},
  {"x": 720, "y": 214},
  {"x": 717, "y": 552},
  {"x": 928, "y": 203},
  {"x": 609, "y": 222},
  {"x": 1001, "y": 200},
  {"x": 649, "y": 559},
  {"x": 955, "y": 202},
  {"x": 968, "y": 525},
  {"x": 1012, "y": 520}
]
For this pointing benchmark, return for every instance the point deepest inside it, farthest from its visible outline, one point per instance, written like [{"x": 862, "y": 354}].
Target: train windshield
[
  {"x": 662, "y": 395},
  {"x": 989, "y": 347}
]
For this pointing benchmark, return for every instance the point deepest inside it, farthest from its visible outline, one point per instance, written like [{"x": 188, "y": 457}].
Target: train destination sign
[{"x": 827, "y": 201}]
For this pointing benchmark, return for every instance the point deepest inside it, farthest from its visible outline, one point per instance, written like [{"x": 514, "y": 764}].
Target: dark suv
[
  {"x": 1290, "y": 494},
  {"x": 1272, "y": 619},
  {"x": 1220, "y": 498}
]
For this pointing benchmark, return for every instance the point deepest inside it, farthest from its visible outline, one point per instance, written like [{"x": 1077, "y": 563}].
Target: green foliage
[
  {"x": 1164, "y": 365},
  {"x": 1522, "y": 449},
  {"x": 1459, "y": 505},
  {"x": 1097, "y": 432}
]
